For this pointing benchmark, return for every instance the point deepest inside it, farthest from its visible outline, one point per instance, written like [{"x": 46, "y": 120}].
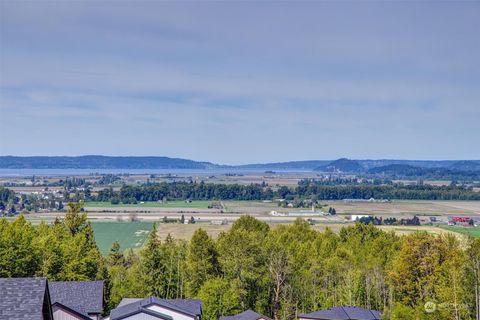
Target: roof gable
[
  {"x": 84, "y": 297},
  {"x": 153, "y": 313},
  {"x": 24, "y": 298},
  {"x": 70, "y": 310},
  {"x": 245, "y": 315},
  {"x": 343, "y": 313},
  {"x": 189, "y": 307}
]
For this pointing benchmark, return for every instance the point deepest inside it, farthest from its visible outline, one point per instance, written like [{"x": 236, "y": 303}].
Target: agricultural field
[
  {"x": 151, "y": 204},
  {"x": 468, "y": 231},
  {"x": 396, "y": 208},
  {"x": 128, "y": 234},
  {"x": 185, "y": 231},
  {"x": 401, "y": 208}
]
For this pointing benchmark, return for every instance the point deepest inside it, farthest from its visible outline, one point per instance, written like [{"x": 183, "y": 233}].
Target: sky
[{"x": 241, "y": 82}]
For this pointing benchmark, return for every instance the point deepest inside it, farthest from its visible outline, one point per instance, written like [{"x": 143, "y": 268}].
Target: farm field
[
  {"x": 407, "y": 207},
  {"x": 399, "y": 230},
  {"x": 468, "y": 231},
  {"x": 151, "y": 204},
  {"x": 185, "y": 231},
  {"x": 396, "y": 208},
  {"x": 128, "y": 234}
]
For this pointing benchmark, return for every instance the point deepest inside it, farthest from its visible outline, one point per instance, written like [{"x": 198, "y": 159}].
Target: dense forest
[
  {"x": 280, "y": 272},
  {"x": 403, "y": 171},
  {"x": 305, "y": 189}
]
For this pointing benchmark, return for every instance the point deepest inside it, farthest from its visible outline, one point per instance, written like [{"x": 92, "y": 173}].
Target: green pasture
[
  {"x": 128, "y": 234},
  {"x": 468, "y": 231}
]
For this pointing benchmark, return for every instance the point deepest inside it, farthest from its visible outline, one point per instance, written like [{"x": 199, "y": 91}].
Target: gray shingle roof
[
  {"x": 84, "y": 297},
  {"x": 192, "y": 307},
  {"x": 245, "y": 315},
  {"x": 23, "y": 298},
  {"x": 343, "y": 313},
  {"x": 126, "y": 301}
]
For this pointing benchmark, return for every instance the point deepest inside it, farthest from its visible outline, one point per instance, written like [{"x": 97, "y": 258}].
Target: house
[
  {"x": 76, "y": 300},
  {"x": 155, "y": 308},
  {"x": 25, "y": 298},
  {"x": 342, "y": 313},
  {"x": 245, "y": 315}
]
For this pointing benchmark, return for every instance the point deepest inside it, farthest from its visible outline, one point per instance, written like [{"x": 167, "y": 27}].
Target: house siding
[
  {"x": 60, "y": 314},
  {"x": 141, "y": 316}
]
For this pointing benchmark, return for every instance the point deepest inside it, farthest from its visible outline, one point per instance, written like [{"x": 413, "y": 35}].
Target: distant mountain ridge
[
  {"x": 470, "y": 165},
  {"x": 156, "y": 162},
  {"x": 100, "y": 162},
  {"x": 297, "y": 165},
  {"x": 342, "y": 165}
]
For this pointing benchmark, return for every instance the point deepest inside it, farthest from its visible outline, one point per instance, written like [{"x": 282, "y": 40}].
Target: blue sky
[{"x": 241, "y": 82}]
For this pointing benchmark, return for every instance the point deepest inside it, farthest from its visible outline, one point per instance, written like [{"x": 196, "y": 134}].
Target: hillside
[
  {"x": 399, "y": 169},
  {"x": 408, "y": 171},
  {"x": 402, "y": 167},
  {"x": 341, "y": 165},
  {"x": 372, "y": 163},
  {"x": 289, "y": 165},
  {"x": 466, "y": 165}
]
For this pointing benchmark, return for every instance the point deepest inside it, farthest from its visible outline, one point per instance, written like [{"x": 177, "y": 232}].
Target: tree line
[
  {"x": 280, "y": 272},
  {"x": 305, "y": 189}
]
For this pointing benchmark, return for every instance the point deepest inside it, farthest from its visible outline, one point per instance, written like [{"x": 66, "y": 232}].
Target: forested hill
[
  {"x": 289, "y": 165},
  {"x": 341, "y": 165},
  {"x": 116, "y": 162},
  {"x": 101, "y": 162}
]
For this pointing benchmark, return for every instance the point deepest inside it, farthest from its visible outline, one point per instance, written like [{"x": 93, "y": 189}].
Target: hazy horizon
[
  {"x": 248, "y": 163},
  {"x": 241, "y": 82}
]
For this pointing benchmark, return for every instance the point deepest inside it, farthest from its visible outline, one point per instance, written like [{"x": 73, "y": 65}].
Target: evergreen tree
[
  {"x": 131, "y": 258},
  {"x": 75, "y": 220},
  {"x": 115, "y": 256},
  {"x": 202, "y": 261},
  {"x": 153, "y": 270}
]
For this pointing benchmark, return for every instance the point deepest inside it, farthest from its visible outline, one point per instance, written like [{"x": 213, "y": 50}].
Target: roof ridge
[{"x": 344, "y": 311}]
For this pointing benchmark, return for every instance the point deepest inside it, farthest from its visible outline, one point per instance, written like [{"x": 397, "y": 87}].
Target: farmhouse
[
  {"x": 25, "y": 298},
  {"x": 76, "y": 300},
  {"x": 246, "y": 315},
  {"x": 342, "y": 313},
  {"x": 154, "y": 308}
]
